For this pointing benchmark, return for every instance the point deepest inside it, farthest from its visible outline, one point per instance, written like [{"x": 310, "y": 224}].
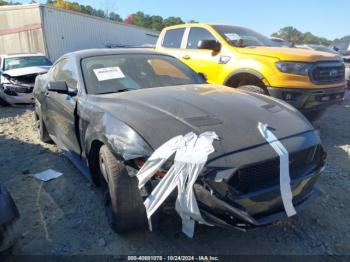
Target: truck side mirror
[
  {"x": 58, "y": 86},
  {"x": 209, "y": 44}
]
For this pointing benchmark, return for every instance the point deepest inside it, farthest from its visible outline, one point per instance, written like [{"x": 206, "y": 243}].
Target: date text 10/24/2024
[{"x": 173, "y": 258}]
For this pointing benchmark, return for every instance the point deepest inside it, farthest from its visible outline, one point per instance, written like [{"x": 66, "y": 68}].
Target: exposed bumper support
[
  {"x": 309, "y": 99},
  {"x": 256, "y": 209}
]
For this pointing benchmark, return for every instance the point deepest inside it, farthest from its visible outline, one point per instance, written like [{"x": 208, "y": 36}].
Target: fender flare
[{"x": 247, "y": 71}]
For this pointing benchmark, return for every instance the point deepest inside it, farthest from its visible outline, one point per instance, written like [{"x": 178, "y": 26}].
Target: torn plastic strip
[
  {"x": 191, "y": 155},
  {"x": 285, "y": 188}
]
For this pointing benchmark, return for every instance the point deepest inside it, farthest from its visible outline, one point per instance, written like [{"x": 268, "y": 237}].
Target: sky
[{"x": 325, "y": 18}]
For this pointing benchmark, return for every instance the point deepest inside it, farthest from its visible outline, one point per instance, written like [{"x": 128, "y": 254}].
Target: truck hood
[
  {"x": 290, "y": 54},
  {"x": 159, "y": 114},
  {"x": 25, "y": 71}
]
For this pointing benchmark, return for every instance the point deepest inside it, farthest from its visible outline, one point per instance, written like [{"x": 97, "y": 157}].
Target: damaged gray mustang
[{"x": 152, "y": 133}]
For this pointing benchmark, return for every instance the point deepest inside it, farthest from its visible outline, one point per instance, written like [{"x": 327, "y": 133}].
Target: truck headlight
[{"x": 294, "y": 68}]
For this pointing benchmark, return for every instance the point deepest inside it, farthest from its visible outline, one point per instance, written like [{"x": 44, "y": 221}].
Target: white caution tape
[
  {"x": 191, "y": 155},
  {"x": 285, "y": 188}
]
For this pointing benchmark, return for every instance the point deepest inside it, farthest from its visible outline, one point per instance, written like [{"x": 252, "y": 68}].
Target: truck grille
[
  {"x": 328, "y": 73},
  {"x": 266, "y": 174}
]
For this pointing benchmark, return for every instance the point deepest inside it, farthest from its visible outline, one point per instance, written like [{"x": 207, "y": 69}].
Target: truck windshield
[
  {"x": 242, "y": 37},
  {"x": 19, "y": 62},
  {"x": 119, "y": 73}
]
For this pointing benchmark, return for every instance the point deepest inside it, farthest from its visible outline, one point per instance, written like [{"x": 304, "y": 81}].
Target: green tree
[
  {"x": 115, "y": 17},
  {"x": 293, "y": 35},
  {"x": 290, "y": 34},
  {"x": 157, "y": 22},
  {"x": 172, "y": 21}
]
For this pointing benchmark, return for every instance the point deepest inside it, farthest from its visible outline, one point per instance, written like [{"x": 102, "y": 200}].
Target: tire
[
  {"x": 312, "y": 116},
  {"x": 41, "y": 128},
  {"x": 7, "y": 239},
  {"x": 254, "y": 89},
  {"x": 3, "y": 102},
  {"x": 122, "y": 200}
]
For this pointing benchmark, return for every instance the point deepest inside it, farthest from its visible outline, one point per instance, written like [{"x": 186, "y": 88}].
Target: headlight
[{"x": 294, "y": 68}]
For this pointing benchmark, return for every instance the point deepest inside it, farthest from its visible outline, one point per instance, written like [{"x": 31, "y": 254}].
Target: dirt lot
[{"x": 65, "y": 216}]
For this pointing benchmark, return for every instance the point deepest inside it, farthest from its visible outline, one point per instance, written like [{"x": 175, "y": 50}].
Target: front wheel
[
  {"x": 123, "y": 203},
  {"x": 254, "y": 89},
  {"x": 3, "y": 102}
]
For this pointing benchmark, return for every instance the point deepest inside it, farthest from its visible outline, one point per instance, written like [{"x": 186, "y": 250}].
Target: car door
[
  {"x": 201, "y": 60},
  {"x": 60, "y": 108}
]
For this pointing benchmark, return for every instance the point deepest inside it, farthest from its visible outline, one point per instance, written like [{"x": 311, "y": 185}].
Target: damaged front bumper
[
  {"x": 17, "y": 95},
  {"x": 262, "y": 207}
]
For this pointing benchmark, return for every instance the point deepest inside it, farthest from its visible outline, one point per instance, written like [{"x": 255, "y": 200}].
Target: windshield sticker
[
  {"x": 232, "y": 36},
  {"x": 109, "y": 73}
]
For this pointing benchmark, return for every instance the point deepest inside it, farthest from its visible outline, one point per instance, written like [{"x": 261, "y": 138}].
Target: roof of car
[
  {"x": 21, "y": 55},
  {"x": 109, "y": 51}
]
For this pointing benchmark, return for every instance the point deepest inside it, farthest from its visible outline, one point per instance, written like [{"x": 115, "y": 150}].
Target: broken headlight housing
[{"x": 294, "y": 67}]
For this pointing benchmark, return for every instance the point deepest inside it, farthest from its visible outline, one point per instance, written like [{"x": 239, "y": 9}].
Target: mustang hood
[
  {"x": 25, "y": 71},
  {"x": 159, "y": 114},
  {"x": 284, "y": 53}
]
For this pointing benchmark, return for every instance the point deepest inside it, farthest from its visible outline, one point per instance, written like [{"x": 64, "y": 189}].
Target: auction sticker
[{"x": 108, "y": 73}]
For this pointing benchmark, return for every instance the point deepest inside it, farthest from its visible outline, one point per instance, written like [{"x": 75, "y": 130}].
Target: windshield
[
  {"x": 19, "y": 62},
  {"x": 242, "y": 37},
  {"x": 117, "y": 73},
  {"x": 323, "y": 49}
]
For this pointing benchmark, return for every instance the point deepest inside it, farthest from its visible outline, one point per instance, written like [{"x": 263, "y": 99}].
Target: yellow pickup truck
[{"x": 241, "y": 58}]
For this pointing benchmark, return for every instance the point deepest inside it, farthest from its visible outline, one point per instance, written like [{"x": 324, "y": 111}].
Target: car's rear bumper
[
  {"x": 255, "y": 209},
  {"x": 309, "y": 99}
]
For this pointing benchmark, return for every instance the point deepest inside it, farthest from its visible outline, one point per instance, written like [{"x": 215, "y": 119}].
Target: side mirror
[
  {"x": 58, "y": 86},
  {"x": 203, "y": 77},
  {"x": 209, "y": 44}
]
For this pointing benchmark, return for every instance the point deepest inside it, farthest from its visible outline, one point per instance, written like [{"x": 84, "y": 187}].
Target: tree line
[
  {"x": 293, "y": 35},
  {"x": 154, "y": 22}
]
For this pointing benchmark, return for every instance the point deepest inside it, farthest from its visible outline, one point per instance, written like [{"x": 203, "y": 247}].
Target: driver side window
[
  {"x": 64, "y": 70},
  {"x": 198, "y": 34}
]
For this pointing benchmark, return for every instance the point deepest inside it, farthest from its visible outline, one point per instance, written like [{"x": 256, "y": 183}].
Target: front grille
[
  {"x": 266, "y": 174},
  {"x": 328, "y": 73}
]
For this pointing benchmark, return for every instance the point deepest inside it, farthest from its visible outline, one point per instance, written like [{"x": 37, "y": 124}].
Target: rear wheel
[
  {"x": 41, "y": 128},
  {"x": 7, "y": 239},
  {"x": 254, "y": 89},
  {"x": 123, "y": 203}
]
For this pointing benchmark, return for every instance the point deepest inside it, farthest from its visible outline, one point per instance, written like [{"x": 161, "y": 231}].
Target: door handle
[{"x": 186, "y": 57}]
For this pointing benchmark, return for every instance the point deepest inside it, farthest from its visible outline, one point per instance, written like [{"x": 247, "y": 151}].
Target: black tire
[
  {"x": 123, "y": 203},
  {"x": 254, "y": 89},
  {"x": 41, "y": 128},
  {"x": 3, "y": 102},
  {"x": 7, "y": 239},
  {"x": 312, "y": 116}
]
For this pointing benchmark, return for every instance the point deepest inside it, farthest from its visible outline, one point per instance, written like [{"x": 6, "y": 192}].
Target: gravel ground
[{"x": 65, "y": 216}]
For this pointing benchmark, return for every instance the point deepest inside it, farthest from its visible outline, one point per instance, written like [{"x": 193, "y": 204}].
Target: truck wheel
[
  {"x": 123, "y": 203},
  {"x": 41, "y": 128},
  {"x": 7, "y": 239},
  {"x": 314, "y": 115},
  {"x": 254, "y": 89}
]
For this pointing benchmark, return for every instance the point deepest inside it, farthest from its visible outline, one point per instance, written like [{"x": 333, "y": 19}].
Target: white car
[
  {"x": 17, "y": 77},
  {"x": 347, "y": 69}
]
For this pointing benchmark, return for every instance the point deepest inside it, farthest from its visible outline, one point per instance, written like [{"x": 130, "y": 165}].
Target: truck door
[
  {"x": 201, "y": 60},
  {"x": 60, "y": 108}
]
